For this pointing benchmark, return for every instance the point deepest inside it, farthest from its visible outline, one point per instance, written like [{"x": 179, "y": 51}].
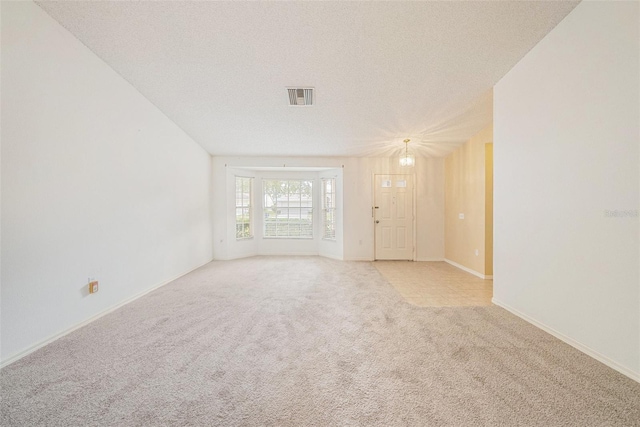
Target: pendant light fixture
[{"x": 407, "y": 160}]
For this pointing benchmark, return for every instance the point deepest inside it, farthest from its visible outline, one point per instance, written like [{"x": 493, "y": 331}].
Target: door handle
[{"x": 377, "y": 221}]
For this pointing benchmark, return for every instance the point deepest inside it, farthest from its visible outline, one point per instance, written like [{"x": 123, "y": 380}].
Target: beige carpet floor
[{"x": 308, "y": 342}]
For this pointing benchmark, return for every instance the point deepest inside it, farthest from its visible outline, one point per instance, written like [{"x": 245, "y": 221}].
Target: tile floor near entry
[{"x": 436, "y": 284}]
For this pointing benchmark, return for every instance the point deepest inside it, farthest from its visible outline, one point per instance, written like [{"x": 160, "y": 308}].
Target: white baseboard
[
  {"x": 288, "y": 254},
  {"x": 236, "y": 256},
  {"x": 337, "y": 258},
  {"x": 243, "y": 256},
  {"x": 573, "y": 343},
  {"x": 430, "y": 259},
  {"x": 54, "y": 337},
  {"x": 468, "y": 270}
]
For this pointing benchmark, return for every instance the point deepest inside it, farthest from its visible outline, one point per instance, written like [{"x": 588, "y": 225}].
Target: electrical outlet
[
  {"x": 93, "y": 286},
  {"x": 477, "y": 252},
  {"x": 460, "y": 216}
]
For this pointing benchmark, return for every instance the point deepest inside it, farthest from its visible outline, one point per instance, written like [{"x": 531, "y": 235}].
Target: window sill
[{"x": 287, "y": 238}]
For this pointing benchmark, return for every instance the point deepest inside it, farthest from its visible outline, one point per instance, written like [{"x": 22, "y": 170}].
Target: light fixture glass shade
[{"x": 407, "y": 160}]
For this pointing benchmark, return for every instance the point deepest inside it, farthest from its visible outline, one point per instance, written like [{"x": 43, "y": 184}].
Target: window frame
[
  {"x": 326, "y": 210},
  {"x": 248, "y": 207},
  {"x": 310, "y": 209}
]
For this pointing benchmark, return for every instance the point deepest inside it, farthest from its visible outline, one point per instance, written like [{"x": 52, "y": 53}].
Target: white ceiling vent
[{"x": 302, "y": 96}]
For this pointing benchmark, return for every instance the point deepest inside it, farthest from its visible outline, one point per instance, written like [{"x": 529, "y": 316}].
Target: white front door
[{"x": 393, "y": 216}]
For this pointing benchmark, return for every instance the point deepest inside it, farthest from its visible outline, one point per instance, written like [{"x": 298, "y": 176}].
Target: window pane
[
  {"x": 243, "y": 207},
  {"x": 328, "y": 208},
  {"x": 288, "y": 208}
]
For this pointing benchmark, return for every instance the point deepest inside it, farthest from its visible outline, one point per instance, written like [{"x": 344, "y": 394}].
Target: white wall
[
  {"x": 566, "y": 152},
  {"x": 358, "y": 199},
  {"x": 95, "y": 182},
  {"x": 356, "y": 230}
]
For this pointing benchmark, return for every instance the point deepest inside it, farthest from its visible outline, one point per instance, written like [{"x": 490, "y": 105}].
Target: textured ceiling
[{"x": 383, "y": 71}]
